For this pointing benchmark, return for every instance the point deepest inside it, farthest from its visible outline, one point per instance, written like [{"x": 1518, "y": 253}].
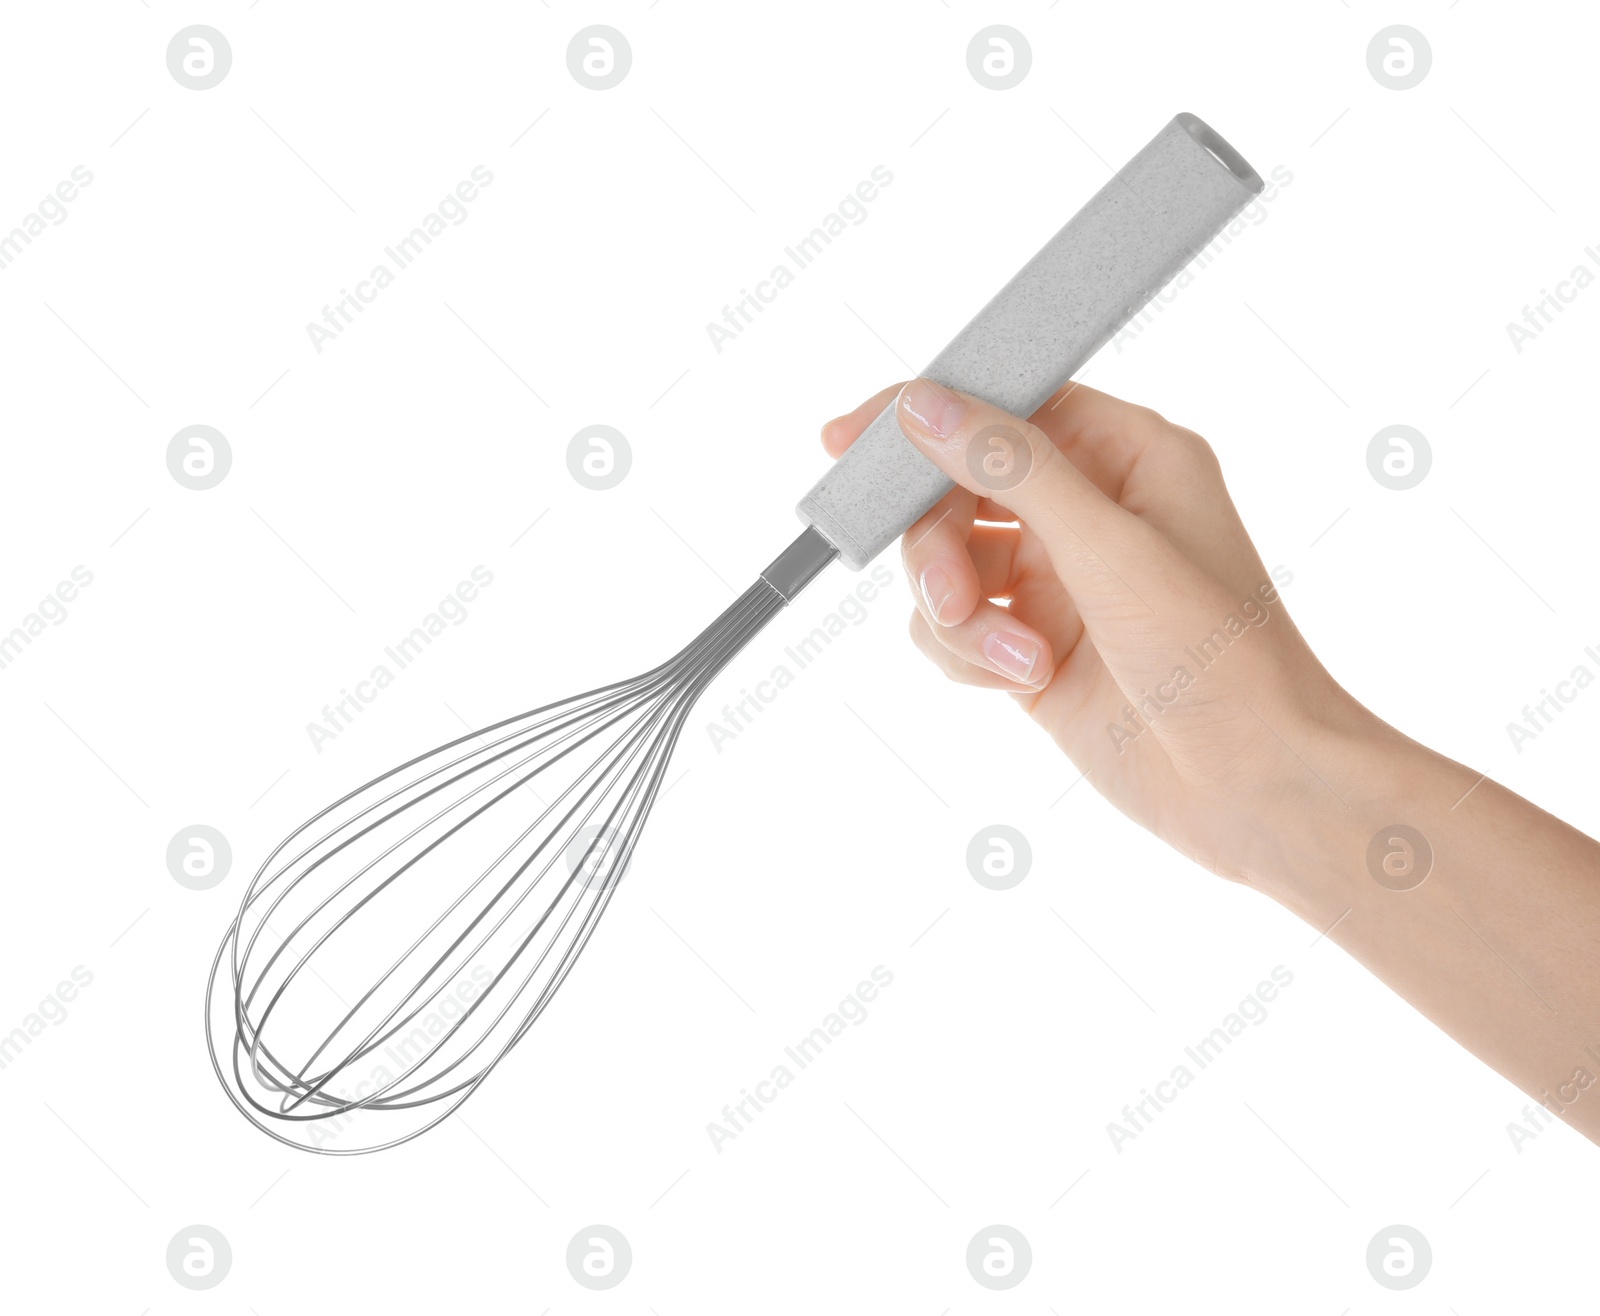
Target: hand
[
  {"x": 1125, "y": 608},
  {"x": 1128, "y": 613}
]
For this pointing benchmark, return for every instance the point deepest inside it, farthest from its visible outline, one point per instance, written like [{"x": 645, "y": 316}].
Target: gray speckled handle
[{"x": 1131, "y": 239}]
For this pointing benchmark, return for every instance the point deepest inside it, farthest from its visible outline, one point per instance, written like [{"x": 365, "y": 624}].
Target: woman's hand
[
  {"x": 1126, "y": 610},
  {"x": 1128, "y": 613}
]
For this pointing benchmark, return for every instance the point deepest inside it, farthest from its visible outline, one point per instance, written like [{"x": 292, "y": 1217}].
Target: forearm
[{"x": 1499, "y": 944}]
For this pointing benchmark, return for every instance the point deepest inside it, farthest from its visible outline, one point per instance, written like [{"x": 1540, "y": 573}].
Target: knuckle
[
  {"x": 1151, "y": 419},
  {"x": 1193, "y": 451},
  {"x": 1042, "y": 446},
  {"x": 1004, "y": 451}
]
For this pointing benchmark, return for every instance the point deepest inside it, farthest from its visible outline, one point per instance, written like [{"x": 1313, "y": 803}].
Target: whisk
[{"x": 460, "y": 888}]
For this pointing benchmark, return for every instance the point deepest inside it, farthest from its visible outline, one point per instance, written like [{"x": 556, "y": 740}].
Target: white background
[{"x": 826, "y": 839}]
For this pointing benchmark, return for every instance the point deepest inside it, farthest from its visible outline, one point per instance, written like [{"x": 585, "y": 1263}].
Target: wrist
[{"x": 1353, "y": 817}]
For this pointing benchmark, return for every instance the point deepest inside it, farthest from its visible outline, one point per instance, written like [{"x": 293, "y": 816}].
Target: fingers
[
  {"x": 954, "y": 565},
  {"x": 934, "y": 550},
  {"x": 1105, "y": 437},
  {"x": 840, "y": 432},
  {"x": 1111, "y": 562},
  {"x": 989, "y": 650},
  {"x": 953, "y": 583},
  {"x": 1161, "y": 472}
]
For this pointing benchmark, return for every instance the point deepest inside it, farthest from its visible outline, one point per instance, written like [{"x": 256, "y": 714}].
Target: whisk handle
[{"x": 1131, "y": 239}]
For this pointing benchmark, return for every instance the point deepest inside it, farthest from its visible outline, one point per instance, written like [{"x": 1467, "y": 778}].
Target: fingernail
[
  {"x": 1013, "y": 656},
  {"x": 934, "y": 407},
  {"x": 937, "y": 590}
]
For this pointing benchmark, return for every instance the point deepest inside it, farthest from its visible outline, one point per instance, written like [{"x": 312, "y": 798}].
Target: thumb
[{"x": 1114, "y": 564}]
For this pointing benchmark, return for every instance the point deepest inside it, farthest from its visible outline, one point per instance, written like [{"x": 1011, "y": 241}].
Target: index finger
[
  {"x": 840, "y": 432},
  {"x": 1103, "y": 436}
]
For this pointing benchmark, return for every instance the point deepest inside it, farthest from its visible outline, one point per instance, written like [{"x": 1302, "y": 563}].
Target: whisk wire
[{"x": 491, "y": 950}]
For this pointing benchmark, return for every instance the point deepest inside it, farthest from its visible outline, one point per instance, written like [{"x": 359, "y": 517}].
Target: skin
[{"x": 1117, "y": 552}]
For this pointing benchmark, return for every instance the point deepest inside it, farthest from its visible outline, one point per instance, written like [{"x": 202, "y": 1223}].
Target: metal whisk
[
  {"x": 393, "y": 949},
  {"x": 487, "y": 928}
]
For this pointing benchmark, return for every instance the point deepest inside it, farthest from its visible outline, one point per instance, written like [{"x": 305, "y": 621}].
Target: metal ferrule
[{"x": 795, "y": 568}]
